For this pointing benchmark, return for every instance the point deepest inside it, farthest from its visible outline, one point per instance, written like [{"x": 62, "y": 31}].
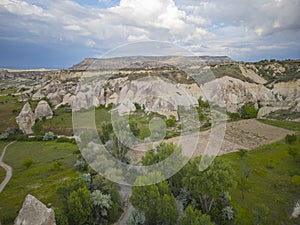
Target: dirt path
[
  {"x": 125, "y": 192},
  {"x": 6, "y": 167}
]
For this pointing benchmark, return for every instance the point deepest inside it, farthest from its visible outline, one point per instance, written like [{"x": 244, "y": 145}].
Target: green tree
[
  {"x": 101, "y": 203},
  {"x": 79, "y": 207},
  {"x": 136, "y": 218},
  {"x": 193, "y": 216},
  {"x": 156, "y": 201},
  {"x": 207, "y": 186},
  {"x": 163, "y": 151}
]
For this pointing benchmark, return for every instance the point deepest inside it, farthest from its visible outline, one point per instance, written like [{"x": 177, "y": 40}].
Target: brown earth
[{"x": 243, "y": 134}]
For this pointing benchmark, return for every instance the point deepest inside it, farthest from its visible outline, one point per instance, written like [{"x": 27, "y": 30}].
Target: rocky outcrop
[
  {"x": 34, "y": 212},
  {"x": 249, "y": 73},
  {"x": 266, "y": 110},
  {"x": 43, "y": 110},
  {"x": 26, "y": 119},
  {"x": 235, "y": 93},
  {"x": 23, "y": 97},
  {"x": 155, "y": 94},
  {"x": 54, "y": 98}
]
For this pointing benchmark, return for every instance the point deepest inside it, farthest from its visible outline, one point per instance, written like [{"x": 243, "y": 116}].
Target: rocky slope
[{"x": 162, "y": 84}]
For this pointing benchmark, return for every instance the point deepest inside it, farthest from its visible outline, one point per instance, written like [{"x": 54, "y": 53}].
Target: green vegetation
[
  {"x": 289, "y": 125},
  {"x": 265, "y": 177},
  {"x": 2, "y": 174},
  {"x": 40, "y": 179},
  {"x": 248, "y": 111},
  {"x": 9, "y": 108}
]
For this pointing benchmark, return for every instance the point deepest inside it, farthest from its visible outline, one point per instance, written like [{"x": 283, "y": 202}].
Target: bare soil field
[{"x": 243, "y": 134}]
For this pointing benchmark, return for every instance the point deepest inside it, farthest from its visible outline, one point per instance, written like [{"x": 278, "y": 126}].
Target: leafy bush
[
  {"x": 290, "y": 139},
  {"x": 37, "y": 127},
  {"x": 27, "y": 162},
  {"x": 48, "y": 136},
  {"x": 234, "y": 116},
  {"x": 171, "y": 122},
  {"x": 248, "y": 111}
]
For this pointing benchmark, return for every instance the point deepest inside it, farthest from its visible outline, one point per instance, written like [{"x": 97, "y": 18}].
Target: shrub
[
  {"x": 290, "y": 139},
  {"x": 48, "y": 136},
  {"x": 171, "y": 122},
  {"x": 37, "y": 127},
  {"x": 248, "y": 111},
  {"x": 27, "y": 162},
  {"x": 57, "y": 164},
  {"x": 234, "y": 116}
]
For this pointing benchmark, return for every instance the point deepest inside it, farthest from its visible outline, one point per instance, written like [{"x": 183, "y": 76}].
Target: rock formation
[
  {"x": 43, "y": 110},
  {"x": 26, "y": 119},
  {"x": 34, "y": 212},
  {"x": 54, "y": 98}
]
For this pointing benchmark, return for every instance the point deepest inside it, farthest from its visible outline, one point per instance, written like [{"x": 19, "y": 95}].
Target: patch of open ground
[{"x": 243, "y": 134}]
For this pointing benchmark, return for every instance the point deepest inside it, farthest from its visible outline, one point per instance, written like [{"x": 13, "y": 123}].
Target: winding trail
[{"x": 6, "y": 167}]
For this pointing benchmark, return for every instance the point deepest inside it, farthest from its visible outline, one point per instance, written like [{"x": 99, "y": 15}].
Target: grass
[
  {"x": 41, "y": 179},
  {"x": 9, "y": 109},
  {"x": 2, "y": 174},
  {"x": 289, "y": 125},
  {"x": 271, "y": 175}
]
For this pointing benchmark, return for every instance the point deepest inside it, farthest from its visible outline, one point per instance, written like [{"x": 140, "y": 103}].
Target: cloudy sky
[{"x": 60, "y": 33}]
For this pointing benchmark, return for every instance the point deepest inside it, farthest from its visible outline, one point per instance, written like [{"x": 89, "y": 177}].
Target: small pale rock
[
  {"x": 43, "y": 110},
  {"x": 54, "y": 98},
  {"x": 26, "y": 119}
]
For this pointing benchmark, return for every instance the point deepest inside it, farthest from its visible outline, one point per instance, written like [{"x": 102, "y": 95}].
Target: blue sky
[{"x": 60, "y": 33}]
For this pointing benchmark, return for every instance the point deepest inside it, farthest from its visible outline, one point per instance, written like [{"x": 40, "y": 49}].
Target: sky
[{"x": 61, "y": 33}]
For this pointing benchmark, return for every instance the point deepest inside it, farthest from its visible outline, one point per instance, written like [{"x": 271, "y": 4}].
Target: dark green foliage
[
  {"x": 171, "y": 122},
  {"x": 67, "y": 187},
  {"x": 106, "y": 131},
  {"x": 137, "y": 106},
  {"x": 242, "y": 153},
  {"x": 37, "y": 127},
  {"x": 134, "y": 128},
  {"x": 234, "y": 116},
  {"x": 79, "y": 207},
  {"x": 248, "y": 111},
  {"x": 164, "y": 150},
  {"x": 157, "y": 202},
  {"x": 193, "y": 216},
  {"x": 203, "y": 104},
  {"x": 290, "y": 139},
  {"x": 207, "y": 186}
]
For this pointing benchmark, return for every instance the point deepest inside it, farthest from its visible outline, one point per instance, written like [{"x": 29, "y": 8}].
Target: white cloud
[
  {"x": 135, "y": 38},
  {"x": 268, "y": 47},
  {"x": 72, "y": 27},
  {"x": 236, "y": 27}
]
